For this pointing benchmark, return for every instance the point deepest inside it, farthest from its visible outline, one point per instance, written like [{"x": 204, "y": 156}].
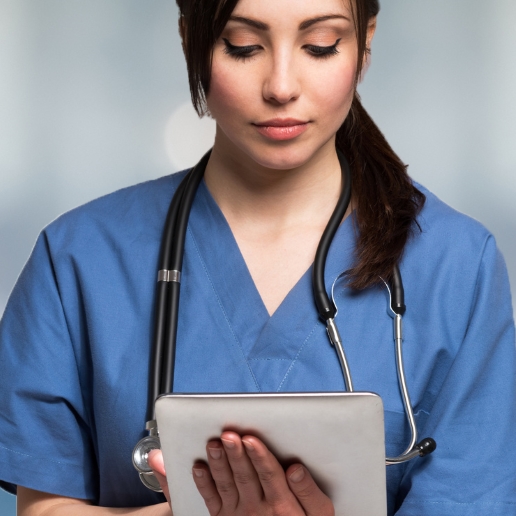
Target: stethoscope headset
[{"x": 167, "y": 309}]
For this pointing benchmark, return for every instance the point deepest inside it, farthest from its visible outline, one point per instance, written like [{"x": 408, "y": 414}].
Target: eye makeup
[
  {"x": 323, "y": 52},
  {"x": 245, "y": 51},
  {"x": 239, "y": 52}
]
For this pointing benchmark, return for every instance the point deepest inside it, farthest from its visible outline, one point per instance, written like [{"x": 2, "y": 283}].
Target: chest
[{"x": 277, "y": 259}]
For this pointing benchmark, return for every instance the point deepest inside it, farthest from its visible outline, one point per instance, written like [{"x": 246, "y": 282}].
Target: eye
[
  {"x": 240, "y": 52},
  {"x": 322, "y": 52}
]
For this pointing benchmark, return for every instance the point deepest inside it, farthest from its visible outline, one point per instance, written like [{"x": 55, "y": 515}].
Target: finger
[
  {"x": 244, "y": 474},
  {"x": 269, "y": 471},
  {"x": 307, "y": 492},
  {"x": 155, "y": 461},
  {"x": 222, "y": 474},
  {"x": 207, "y": 488}
]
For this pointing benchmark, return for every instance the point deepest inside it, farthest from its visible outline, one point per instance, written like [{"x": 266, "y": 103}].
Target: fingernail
[
  {"x": 298, "y": 475},
  {"x": 215, "y": 453},
  {"x": 248, "y": 445},
  {"x": 228, "y": 444},
  {"x": 198, "y": 472}
]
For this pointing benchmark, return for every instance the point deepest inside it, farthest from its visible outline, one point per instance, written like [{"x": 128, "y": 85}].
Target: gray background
[{"x": 93, "y": 93}]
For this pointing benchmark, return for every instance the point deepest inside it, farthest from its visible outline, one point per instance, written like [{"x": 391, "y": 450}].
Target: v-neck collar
[{"x": 270, "y": 343}]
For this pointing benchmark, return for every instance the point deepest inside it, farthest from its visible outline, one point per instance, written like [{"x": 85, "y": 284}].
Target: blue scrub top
[{"x": 75, "y": 350}]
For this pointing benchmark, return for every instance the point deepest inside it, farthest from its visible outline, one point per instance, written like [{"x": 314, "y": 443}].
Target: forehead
[{"x": 290, "y": 12}]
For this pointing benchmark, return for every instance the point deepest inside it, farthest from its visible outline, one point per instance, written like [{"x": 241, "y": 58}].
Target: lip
[
  {"x": 281, "y": 122},
  {"x": 281, "y": 129}
]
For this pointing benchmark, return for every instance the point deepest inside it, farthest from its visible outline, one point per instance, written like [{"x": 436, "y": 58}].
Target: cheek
[
  {"x": 334, "y": 92},
  {"x": 226, "y": 95}
]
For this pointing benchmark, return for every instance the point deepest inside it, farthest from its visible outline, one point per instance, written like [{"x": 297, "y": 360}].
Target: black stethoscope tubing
[
  {"x": 171, "y": 259},
  {"x": 167, "y": 309},
  {"x": 167, "y": 294}
]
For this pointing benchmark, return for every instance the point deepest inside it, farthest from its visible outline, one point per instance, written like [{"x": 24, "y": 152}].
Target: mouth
[{"x": 282, "y": 128}]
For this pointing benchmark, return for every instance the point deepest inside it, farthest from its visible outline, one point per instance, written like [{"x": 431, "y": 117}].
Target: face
[{"x": 283, "y": 78}]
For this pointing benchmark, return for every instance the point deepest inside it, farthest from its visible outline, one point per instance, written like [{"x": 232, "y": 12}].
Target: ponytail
[{"x": 385, "y": 200}]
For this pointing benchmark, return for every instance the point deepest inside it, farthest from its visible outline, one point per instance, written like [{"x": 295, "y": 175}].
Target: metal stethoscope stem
[
  {"x": 167, "y": 305},
  {"x": 414, "y": 449}
]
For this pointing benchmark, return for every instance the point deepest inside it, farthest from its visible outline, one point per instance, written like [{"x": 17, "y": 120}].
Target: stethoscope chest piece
[
  {"x": 150, "y": 482},
  {"x": 141, "y": 461},
  {"x": 141, "y": 453}
]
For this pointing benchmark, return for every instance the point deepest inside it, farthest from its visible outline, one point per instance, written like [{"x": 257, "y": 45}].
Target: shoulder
[
  {"x": 448, "y": 242},
  {"x": 127, "y": 214},
  {"x": 450, "y": 253},
  {"x": 448, "y": 229},
  {"x": 447, "y": 266}
]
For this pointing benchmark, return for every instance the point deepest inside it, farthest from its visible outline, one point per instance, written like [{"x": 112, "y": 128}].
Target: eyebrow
[
  {"x": 249, "y": 21},
  {"x": 308, "y": 23},
  {"x": 302, "y": 26}
]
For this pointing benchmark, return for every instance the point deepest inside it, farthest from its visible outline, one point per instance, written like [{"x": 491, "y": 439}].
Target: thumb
[
  {"x": 158, "y": 467},
  {"x": 307, "y": 492}
]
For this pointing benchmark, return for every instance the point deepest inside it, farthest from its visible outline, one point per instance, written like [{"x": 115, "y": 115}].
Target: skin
[
  {"x": 277, "y": 196},
  {"x": 242, "y": 477}
]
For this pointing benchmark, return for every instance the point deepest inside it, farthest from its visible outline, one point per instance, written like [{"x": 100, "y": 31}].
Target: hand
[
  {"x": 157, "y": 464},
  {"x": 243, "y": 477}
]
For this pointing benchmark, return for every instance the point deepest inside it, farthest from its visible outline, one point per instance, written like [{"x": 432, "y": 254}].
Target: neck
[{"x": 279, "y": 199}]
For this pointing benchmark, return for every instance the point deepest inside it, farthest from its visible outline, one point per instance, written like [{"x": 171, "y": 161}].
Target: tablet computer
[{"x": 339, "y": 437}]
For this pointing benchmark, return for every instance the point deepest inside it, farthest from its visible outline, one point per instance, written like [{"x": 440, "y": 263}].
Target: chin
[{"x": 285, "y": 156}]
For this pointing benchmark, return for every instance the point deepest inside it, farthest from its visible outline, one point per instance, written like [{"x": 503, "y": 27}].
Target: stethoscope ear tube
[
  {"x": 398, "y": 308},
  {"x": 397, "y": 292},
  {"x": 421, "y": 449},
  {"x": 325, "y": 306}
]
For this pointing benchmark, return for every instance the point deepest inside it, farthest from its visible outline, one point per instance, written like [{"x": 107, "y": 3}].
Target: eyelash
[
  {"x": 239, "y": 52},
  {"x": 323, "y": 52},
  {"x": 245, "y": 52}
]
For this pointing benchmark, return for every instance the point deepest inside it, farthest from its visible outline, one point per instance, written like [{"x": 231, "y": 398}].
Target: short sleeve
[
  {"x": 473, "y": 420},
  {"x": 45, "y": 438}
]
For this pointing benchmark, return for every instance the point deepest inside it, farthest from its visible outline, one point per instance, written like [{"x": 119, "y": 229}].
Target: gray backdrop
[{"x": 93, "y": 93}]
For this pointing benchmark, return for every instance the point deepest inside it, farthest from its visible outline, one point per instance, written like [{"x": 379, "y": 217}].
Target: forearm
[
  {"x": 161, "y": 509},
  {"x": 37, "y": 503}
]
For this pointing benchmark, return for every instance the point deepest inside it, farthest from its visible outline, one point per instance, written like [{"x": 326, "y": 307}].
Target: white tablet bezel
[{"x": 338, "y": 436}]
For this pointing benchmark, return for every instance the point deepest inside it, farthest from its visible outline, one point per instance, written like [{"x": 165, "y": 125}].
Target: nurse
[{"x": 279, "y": 77}]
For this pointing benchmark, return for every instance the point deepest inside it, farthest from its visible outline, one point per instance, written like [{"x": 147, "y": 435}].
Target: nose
[{"x": 281, "y": 84}]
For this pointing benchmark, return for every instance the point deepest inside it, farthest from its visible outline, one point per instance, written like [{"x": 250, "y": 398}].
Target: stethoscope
[{"x": 167, "y": 308}]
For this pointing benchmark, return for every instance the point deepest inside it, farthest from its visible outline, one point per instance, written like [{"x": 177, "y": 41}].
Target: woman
[{"x": 280, "y": 79}]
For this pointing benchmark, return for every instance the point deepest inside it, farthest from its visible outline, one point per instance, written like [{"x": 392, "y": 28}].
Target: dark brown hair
[{"x": 385, "y": 200}]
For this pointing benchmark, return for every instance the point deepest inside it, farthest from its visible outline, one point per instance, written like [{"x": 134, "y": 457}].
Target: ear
[{"x": 371, "y": 29}]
